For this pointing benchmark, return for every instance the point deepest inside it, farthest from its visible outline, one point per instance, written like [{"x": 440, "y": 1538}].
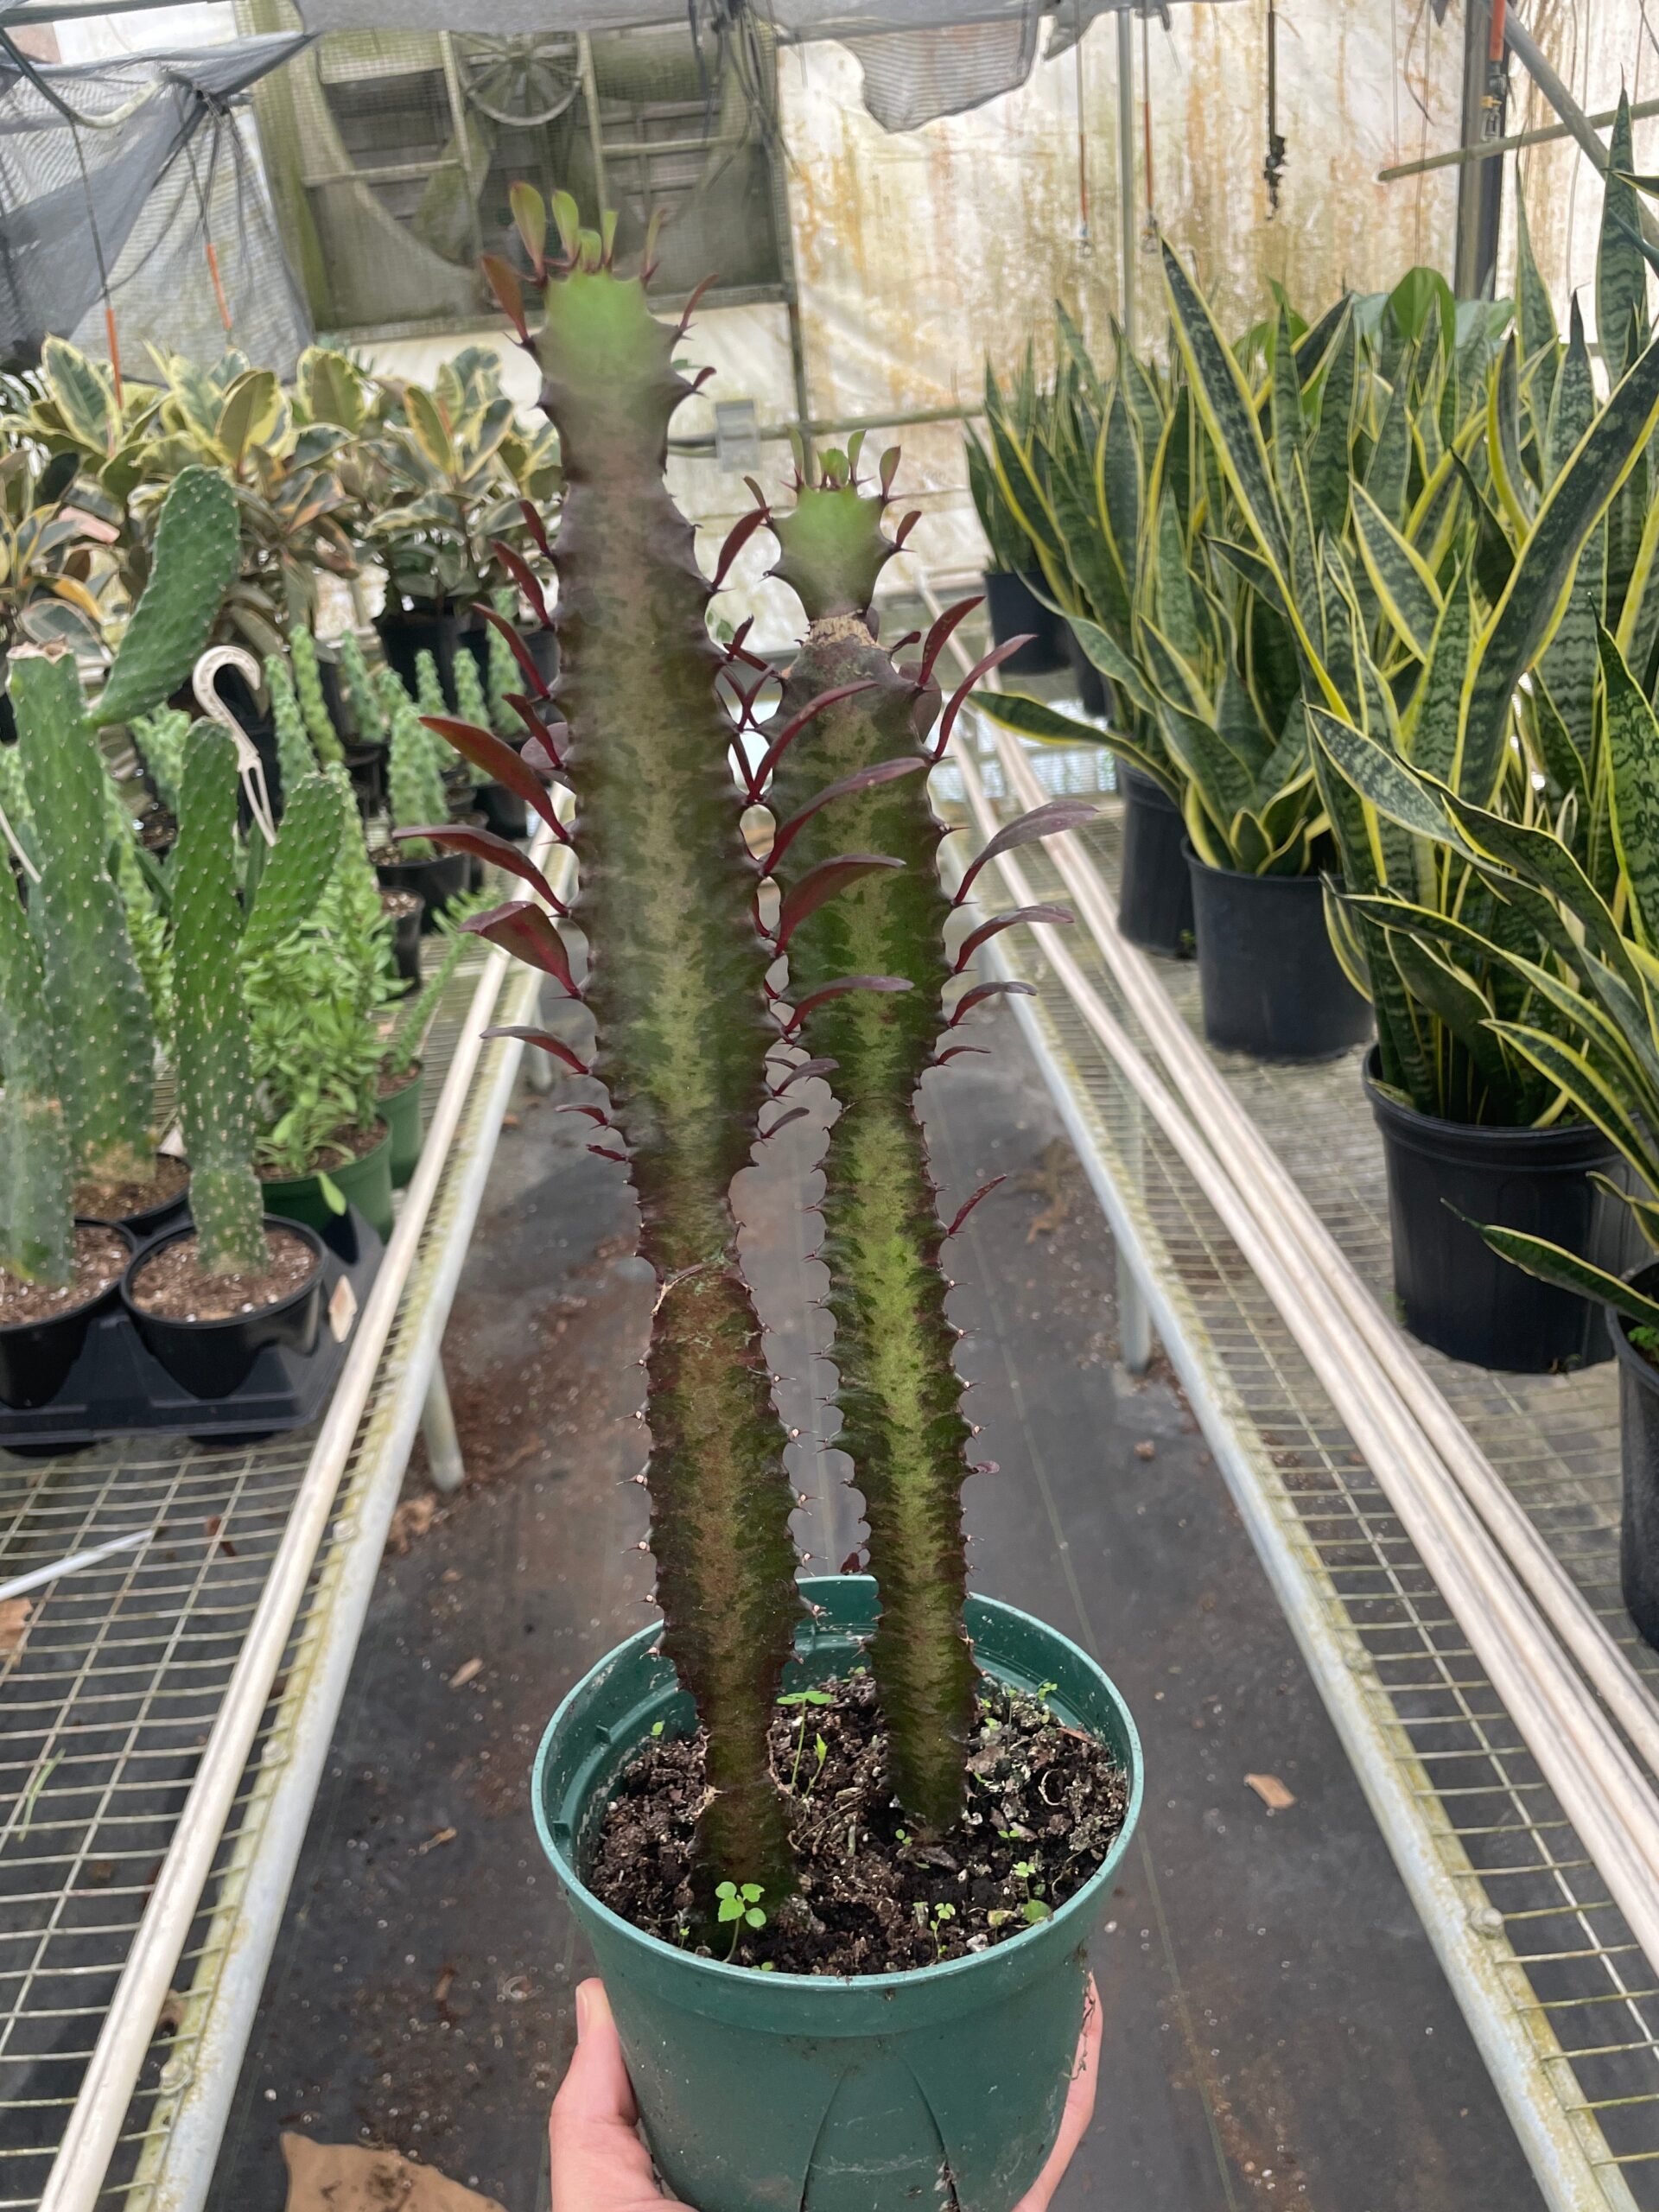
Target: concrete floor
[{"x": 1277, "y": 2030}]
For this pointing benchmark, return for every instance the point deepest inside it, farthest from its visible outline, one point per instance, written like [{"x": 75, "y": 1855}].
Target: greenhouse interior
[{"x": 830, "y": 1105}]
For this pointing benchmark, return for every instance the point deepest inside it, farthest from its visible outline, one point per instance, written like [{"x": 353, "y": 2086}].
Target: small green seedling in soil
[
  {"x": 1042, "y": 1692},
  {"x": 935, "y": 1928},
  {"x": 742, "y": 1906},
  {"x": 657, "y": 1727},
  {"x": 1033, "y": 1908},
  {"x": 803, "y": 1698}
]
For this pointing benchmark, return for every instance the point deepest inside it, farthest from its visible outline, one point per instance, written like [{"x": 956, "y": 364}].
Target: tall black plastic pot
[
  {"x": 213, "y": 1358},
  {"x": 36, "y": 1356},
  {"x": 1015, "y": 611},
  {"x": 1270, "y": 982},
  {"x": 1154, "y": 892},
  {"x": 1445, "y": 1178},
  {"x": 404, "y": 634},
  {"x": 1638, "y": 1526},
  {"x": 439, "y": 881},
  {"x": 1091, "y": 684}
]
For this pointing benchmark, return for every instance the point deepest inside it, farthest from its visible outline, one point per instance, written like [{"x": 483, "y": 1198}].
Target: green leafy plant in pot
[
  {"x": 1013, "y": 579},
  {"x": 758, "y": 2087},
  {"x": 1462, "y": 1113}
]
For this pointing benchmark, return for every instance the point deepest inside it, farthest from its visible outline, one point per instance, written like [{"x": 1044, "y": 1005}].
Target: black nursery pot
[
  {"x": 406, "y": 942},
  {"x": 1454, "y": 1291},
  {"x": 404, "y": 635},
  {"x": 212, "y": 1359},
  {"x": 439, "y": 881},
  {"x": 36, "y": 1356},
  {"x": 503, "y": 812},
  {"x": 1091, "y": 684},
  {"x": 1014, "y": 610},
  {"x": 1638, "y": 1527},
  {"x": 1270, "y": 982},
  {"x": 366, "y": 766},
  {"x": 1154, "y": 892}
]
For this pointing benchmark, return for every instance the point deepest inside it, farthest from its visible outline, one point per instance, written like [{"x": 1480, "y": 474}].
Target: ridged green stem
[
  {"x": 899, "y": 1394},
  {"x": 428, "y": 685},
  {"x": 37, "y": 1236},
  {"x": 367, "y": 710},
  {"x": 296, "y": 757},
  {"x": 504, "y": 673},
  {"x": 414, "y": 791},
  {"x": 314, "y": 705},
  {"x": 675, "y": 986}
]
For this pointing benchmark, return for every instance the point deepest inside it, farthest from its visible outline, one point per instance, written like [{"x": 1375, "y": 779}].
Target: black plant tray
[{"x": 115, "y": 1388}]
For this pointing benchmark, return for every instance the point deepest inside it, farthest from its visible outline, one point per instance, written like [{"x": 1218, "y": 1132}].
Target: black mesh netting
[{"x": 116, "y": 179}]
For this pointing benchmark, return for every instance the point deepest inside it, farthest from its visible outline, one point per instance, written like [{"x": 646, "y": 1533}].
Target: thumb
[{"x": 598, "y": 2163}]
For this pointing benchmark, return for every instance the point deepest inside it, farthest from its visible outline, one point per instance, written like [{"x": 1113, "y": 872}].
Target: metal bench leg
[
  {"x": 443, "y": 1457},
  {"x": 537, "y": 1067},
  {"x": 1134, "y": 1321}
]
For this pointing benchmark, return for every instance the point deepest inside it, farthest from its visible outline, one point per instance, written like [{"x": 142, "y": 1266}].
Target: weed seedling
[
  {"x": 1033, "y": 1908},
  {"x": 741, "y": 1906},
  {"x": 803, "y": 1698}
]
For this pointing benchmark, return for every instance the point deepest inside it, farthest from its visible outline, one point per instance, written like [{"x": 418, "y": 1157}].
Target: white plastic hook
[{"x": 250, "y": 767}]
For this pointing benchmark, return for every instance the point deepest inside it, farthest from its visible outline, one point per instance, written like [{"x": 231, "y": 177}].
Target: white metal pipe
[
  {"x": 1287, "y": 1218},
  {"x": 1588, "y": 1768},
  {"x": 78, "y": 2172}
]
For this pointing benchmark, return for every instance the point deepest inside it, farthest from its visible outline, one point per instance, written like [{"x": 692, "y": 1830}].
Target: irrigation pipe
[
  {"x": 1289, "y": 1220},
  {"x": 1599, "y": 1787},
  {"x": 79, "y": 2169}
]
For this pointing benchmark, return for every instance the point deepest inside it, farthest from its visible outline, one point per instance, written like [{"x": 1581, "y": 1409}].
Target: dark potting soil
[
  {"x": 172, "y": 1285},
  {"x": 335, "y": 1150},
  {"x": 388, "y": 1085},
  {"x": 396, "y": 903},
  {"x": 115, "y": 1201},
  {"x": 1044, "y": 1804},
  {"x": 100, "y": 1256}
]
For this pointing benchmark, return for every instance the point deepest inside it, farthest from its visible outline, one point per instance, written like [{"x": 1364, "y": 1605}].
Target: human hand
[{"x": 600, "y": 2164}]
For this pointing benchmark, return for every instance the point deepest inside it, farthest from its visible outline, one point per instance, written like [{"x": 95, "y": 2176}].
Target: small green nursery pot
[
  {"x": 790, "y": 2093},
  {"x": 364, "y": 1183}
]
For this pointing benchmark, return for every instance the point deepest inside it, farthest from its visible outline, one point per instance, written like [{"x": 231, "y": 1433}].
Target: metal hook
[{"x": 250, "y": 767}]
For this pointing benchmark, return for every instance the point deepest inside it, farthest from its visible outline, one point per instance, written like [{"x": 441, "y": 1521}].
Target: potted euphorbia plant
[{"x": 880, "y": 2005}]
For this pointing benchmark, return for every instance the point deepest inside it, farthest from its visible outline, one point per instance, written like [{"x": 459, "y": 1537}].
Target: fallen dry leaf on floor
[
  {"x": 1272, "y": 1792},
  {"x": 347, "y": 2178},
  {"x": 445, "y": 1983},
  {"x": 465, "y": 1673},
  {"x": 509, "y": 1120},
  {"x": 413, "y": 1518},
  {"x": 437, "y": 1836},
  {"x": 13, "y": 1619}
]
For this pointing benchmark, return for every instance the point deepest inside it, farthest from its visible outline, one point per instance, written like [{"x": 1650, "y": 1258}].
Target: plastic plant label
[{"x": 342, "y": 1310}]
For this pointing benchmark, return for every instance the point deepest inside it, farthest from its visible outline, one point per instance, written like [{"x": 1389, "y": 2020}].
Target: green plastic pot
[
  {"x": 795, "y": 2093},
  {"x": 364, "y": 1183},
  {"x": 401, "y": 1112}
]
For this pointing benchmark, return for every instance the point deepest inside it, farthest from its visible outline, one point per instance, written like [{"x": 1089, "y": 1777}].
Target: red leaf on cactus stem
[
  {"x": 509, "y": 293},
  {"x": 1059, "y": 915},
  {"x": 910, "y": 638},
  {"x": 955, "y": 1052},
  {"x": 525, "y": 930},
  {"x": 604, "y": 1151},
  {"x": 904, "y": 529},
  {"x": 701, "y": 376},
  {"x": 791, "y": 730},
  {"x": 691, "y": 306},
  {"x": 983, "y": 667},
  {"x": 839, "y": 989},
  {"x": 941, "y": 631},
  {"x": 862, "y": 779},
  {"x": 962, "y": 1212},
  {"x": 983, "y": 991},
  {"x": 486, "y": 751},
  {"x": 736, "y": 649},
  {"x": 799, "y": 1073},
  {"x": 524, "y": 577},
  {"x": 594, "y": 1113},
  {"x": 537, "y": 528},
  {"x": 823, "y": 883},
  {"x": 520, "y": 649},
  {"x": 795, "y": 1114},
  {"x": 549, "y": 736},
  {"x": 1046, "y": 821},
  {"x": 889, "y": 470},
  {"x": 736, "y": 538},
  {"x": 544, "y": 1041},
  {"x": 498, "y": 850}
]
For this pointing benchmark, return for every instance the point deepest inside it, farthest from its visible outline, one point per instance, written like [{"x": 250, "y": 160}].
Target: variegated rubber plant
[{"x": 697, "y": 1040}]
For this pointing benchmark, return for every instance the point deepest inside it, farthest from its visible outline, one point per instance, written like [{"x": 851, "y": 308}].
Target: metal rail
[
  {"x": 167, "y": 1710},
  {"x": 1561, "y": 2001}
]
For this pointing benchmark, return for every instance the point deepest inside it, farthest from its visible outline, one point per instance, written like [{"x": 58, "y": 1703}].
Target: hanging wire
[
  {"x": 1086, "y": 242},
  {"x": 1272, "y": 168},
  {"x": 1149, "y": 223}
]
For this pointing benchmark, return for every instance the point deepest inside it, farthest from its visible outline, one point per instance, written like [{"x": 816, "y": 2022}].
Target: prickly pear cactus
[
  {"x": 367, "y": 710},
  {"x": 194, "y": 562},
  {"x": 298, "y": 867},
  {"x": 677, "y": 985},
  {"x": 415, "y": 789},
  {"x": 899, "y": 1394},
  {"x": 36, "y": 1215},
  {"x": 428, "y": 685},
  {"x": 19, "y": 825},
  {"x": 214, "y": 1075},
  {"x": 107, "y": 1038},
  {"x": 160, "y": 737},
  {"x": 296, "y": 757},
  {"x": 314, "y": 704}
]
